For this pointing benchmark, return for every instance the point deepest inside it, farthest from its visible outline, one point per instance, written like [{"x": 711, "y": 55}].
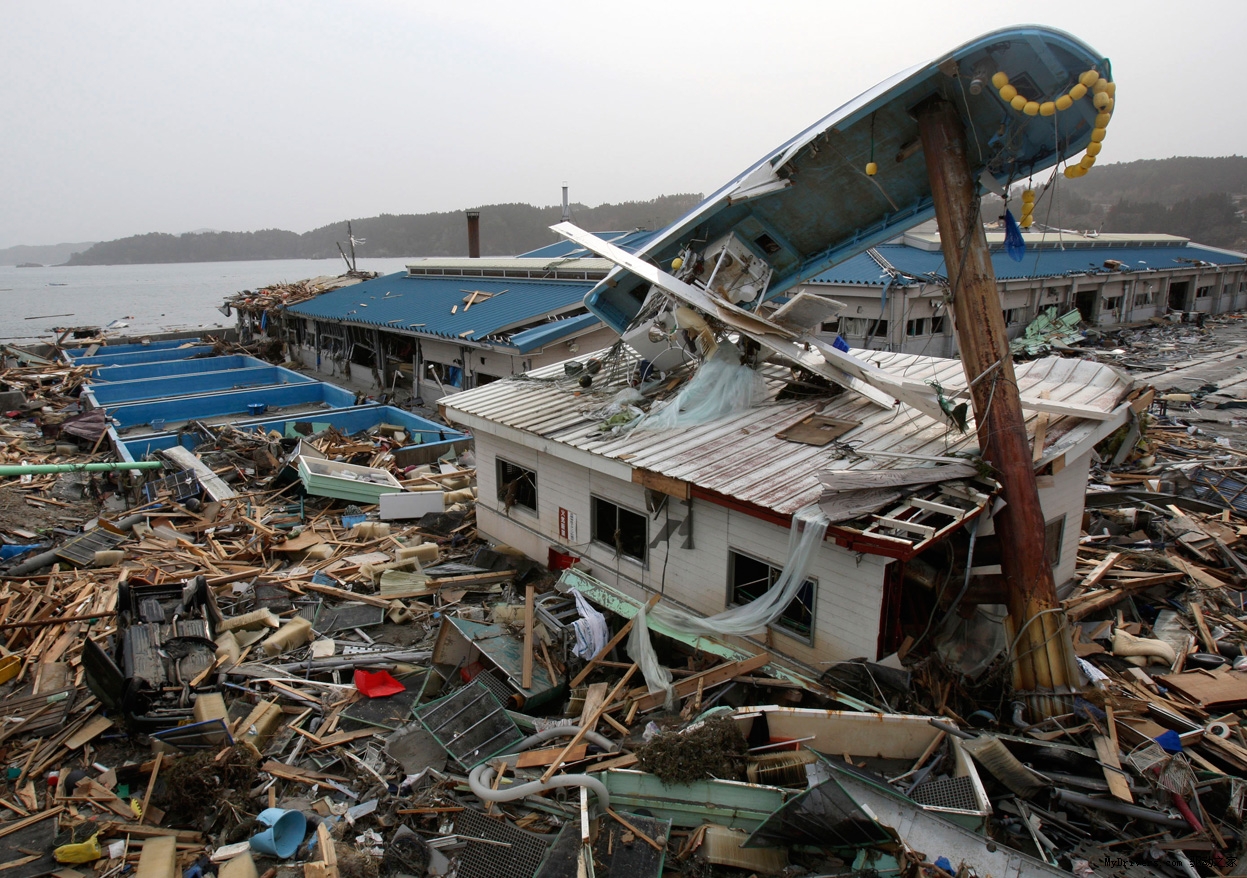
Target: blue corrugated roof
[
  {"x": 422, "y": 304},
  {"x": 630, "y": 241},
  {"x": 540, "y": 336},
  {"x": 864, "y": 270}
]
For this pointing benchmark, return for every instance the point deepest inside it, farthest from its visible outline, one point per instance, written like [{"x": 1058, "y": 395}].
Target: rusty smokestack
[{"x": 474, "y": 234}]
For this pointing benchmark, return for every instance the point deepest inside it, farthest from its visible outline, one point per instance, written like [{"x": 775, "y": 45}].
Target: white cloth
[{"x": 592, "y": 633}]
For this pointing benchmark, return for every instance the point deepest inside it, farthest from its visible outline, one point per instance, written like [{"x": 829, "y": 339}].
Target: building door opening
[
  {"x": 1177, "y": 295},
  {"x": 1084, "y": 301}
]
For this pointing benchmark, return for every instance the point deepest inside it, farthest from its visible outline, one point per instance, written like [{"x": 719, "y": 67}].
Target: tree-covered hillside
[{"x": 506, "y": 229}]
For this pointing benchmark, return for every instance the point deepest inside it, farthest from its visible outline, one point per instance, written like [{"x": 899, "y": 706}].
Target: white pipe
[{"x": 481, "y": 778}]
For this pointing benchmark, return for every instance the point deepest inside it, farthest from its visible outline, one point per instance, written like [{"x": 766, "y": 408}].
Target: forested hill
[
  {"x": 1197, "y": 197},
  {"x": 506, "y": 229}
]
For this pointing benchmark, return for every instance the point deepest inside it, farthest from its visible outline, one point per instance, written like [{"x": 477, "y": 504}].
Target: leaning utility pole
[{"x": 1044, "y": 670}]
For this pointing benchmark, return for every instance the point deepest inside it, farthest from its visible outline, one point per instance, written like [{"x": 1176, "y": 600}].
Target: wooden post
[
  {"x": 526, "y": 675},
  {"x": 1044, "y": 670}
]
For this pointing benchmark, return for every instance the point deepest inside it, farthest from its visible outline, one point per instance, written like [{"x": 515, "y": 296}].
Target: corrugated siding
[{"x": 849, "y": 594}]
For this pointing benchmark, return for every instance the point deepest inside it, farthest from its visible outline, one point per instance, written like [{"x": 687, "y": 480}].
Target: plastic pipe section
[
  {"x": 1123, "y": 808},
  {"x": 482, "y": 776},
  {"x": 38, "y": 469}
]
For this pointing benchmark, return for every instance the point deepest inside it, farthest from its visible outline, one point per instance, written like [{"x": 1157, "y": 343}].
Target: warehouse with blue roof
[
  {"x": 449, "y": 324},
  {"x": 896, "y": 295}
]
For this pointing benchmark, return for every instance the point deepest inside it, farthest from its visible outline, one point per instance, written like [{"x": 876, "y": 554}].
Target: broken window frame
[
  {"x": 1054, "y": 539},
  {"x": 1203, "y": 292},
  {"x": 526, "y": 491},
  {"x": 805, "y": 602},
  {"x": 916, "y": 327},
  {"x": 608, "y": 518},
  {"x": 443, "y": 373}
]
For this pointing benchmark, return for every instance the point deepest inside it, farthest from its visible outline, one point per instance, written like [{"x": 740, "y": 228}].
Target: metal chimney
[
  {"x": 474, "y": 234},
  {"x": 567, "y": 211}
]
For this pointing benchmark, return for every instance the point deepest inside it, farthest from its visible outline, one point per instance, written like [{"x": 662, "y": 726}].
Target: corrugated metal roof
[
  {"x": 630, "y": 241},
  {"x": 423, "y": 305},
  {"x": 542, "y": 268},
  {"x": 739, "y": 456},
  {"x": 1038, "y": 262}
]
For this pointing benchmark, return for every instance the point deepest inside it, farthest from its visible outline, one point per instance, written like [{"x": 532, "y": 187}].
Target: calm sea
[{"x": 150, "y": 298}]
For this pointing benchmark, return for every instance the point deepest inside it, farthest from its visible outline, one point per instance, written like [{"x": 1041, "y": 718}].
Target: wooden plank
[
  {"x": 706, "y": 679},
  {"x": 526, "y": 673},
  {"x": 534, "y": 758},
  {"x": 677, "y": 488},
  {"x": 1194, "y": 571},
  {"x": 554, "y": 766},
  {"x": 1205, "y": 636},
  {"x": 593, "y": 700},
  {"x": 1110, "y": 763},
  {"x": 212, "y": 484},
  {"x": 1101, "y": 570}
]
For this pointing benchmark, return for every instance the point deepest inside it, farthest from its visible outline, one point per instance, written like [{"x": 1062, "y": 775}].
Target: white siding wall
[
  {"x": 849, "y": 593},
  {"x": 1063, "y": 495}
]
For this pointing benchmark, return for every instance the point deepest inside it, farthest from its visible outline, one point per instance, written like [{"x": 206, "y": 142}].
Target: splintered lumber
[
  {"x": 300, "y": 775},
  {"x": 327, "y": 866},
  {"x": 526, "y": 674},
  {"x": 611, "y": 644},
  {"x": 211, "y": 482},
  {"x": 1205, "y": 636},
  {"x": 1110, "y": 762},
  {"x": 19, "y": 825},
  {"x": 344, "y": 595},
  {"x": 638, "y": 833},
  {"x": 583, "y": 730},
  {"x": 534, "y": 758},
  {"x": 1101, "y": 570},
  {"x": 706, "y": 679}
]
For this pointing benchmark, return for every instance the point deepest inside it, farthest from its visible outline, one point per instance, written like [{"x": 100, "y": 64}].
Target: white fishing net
[
  {"x": 722, "y": 386},
  {"x": 809, "y": 527}
]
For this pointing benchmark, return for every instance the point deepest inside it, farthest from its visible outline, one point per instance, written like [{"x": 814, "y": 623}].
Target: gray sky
[{"x": 129, "y": 117}]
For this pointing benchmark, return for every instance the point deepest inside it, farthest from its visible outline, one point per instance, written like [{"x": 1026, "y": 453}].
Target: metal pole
[
  {"x": 1044, "y": 670},
  {"x": 38, "y": 469}
]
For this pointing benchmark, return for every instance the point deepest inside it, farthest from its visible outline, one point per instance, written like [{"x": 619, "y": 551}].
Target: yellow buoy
[
  {"x": 677, "y": 264},
  {"x": 1112, "y": 89},
  {"x": 1094, "y": 148},
  {"x": 1101, "y": 121},
  {"x": 1069, "y": 171},
  {"x": 1090, "y": 78},
  {"x": 1100, "y": 85},
  {"x": 1087, "y": 161},
  {"x": 1102, "y": 101},
  {"x": 1026, "y": 221},
  {"x": 1008, "y": 92},
  {"x": 1031, "y": 108},
  {"x": 1047, "y": 108},
  {"x": 871, "y": 169},
  {"x": 1018, "y": 102},
  {"x": 1064, "y": 102},
  {"x": 1078, "y": 91},
  {"x": 1000, "y": 80},
  {"x": 1097, "y": 134},
  {"x": 1028, "y": 195},
  {"x": 1112, "y": 102}
]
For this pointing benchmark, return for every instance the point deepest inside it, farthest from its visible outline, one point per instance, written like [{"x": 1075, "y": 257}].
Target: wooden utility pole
[{"x": 1044, "y": 670}]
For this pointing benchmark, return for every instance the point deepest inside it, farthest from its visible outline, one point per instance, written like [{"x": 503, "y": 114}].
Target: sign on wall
[{"x": 567, "y": 525}]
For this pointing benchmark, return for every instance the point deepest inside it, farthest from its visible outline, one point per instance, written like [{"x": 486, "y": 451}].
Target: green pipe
[{"x": 38, "y": 469}]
